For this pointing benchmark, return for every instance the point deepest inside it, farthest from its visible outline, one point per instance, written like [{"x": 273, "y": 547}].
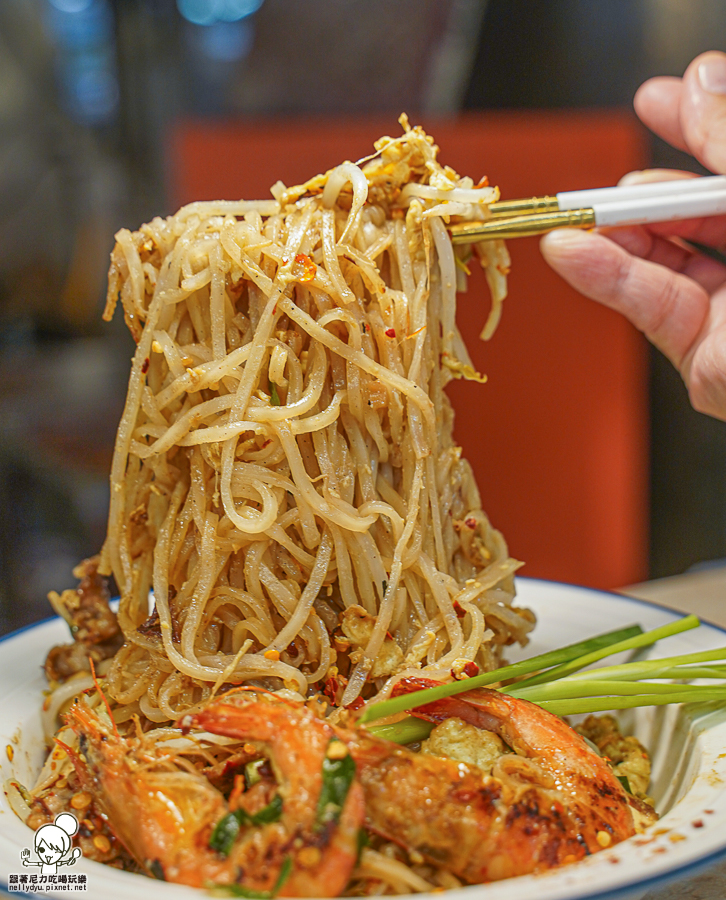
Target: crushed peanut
[
  {"x": 102, "y": 843},
  {"x": 309, "y": 857},
  {"x": 336, "y": 750},
  {"x": 81, "y": 801}
]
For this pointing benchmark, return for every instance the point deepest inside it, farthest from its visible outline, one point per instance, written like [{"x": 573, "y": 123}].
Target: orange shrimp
[
  {"x": 166, "y": 815},
  {"x": 551, "y": 802}
]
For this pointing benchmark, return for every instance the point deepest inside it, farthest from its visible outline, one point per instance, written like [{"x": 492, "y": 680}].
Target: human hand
[{"x": 675, "y": 297}]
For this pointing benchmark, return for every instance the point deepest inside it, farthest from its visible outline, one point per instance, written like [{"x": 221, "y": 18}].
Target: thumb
[{"x": 703, "y": 109}]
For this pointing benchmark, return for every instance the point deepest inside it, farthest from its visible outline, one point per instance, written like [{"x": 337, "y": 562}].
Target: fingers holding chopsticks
[
  {"x": 676, "y": 297},
  {"x": 643, "y": 241},
  {"x": 668, "y": 307},
  {"x": 708, "y": 230},
  {"x": 674, "y": 312}
]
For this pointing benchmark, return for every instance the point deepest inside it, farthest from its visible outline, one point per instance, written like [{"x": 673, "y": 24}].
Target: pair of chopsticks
[{"x": 636, "y": 204}]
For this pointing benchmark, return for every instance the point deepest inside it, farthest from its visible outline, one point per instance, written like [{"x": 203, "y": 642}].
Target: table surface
[{"x": 704, "y": 593}]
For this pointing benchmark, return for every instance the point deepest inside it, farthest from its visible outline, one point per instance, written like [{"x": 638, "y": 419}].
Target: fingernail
[
  {"x": 712, "y": 73},
  {"x": 631, "y": 178},
  {"x": 563, "y": 236}
]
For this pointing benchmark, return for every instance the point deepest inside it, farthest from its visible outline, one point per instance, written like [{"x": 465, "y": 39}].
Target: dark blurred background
[{"x": 90, "y": 92}]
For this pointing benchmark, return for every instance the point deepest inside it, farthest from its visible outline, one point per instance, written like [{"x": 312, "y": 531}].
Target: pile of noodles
[{"x": 285, "y": 479}]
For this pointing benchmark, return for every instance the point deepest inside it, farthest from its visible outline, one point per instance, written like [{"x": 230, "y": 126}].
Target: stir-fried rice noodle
[
  {"x": 286, "y": 455},
  {"x": 285, "y": 483}
]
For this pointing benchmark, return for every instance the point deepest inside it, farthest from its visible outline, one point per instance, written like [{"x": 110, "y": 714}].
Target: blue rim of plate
[{"x": 683, "y": 872}]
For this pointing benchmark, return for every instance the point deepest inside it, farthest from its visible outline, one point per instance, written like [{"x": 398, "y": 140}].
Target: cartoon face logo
[{"x": 53, "y": 843}]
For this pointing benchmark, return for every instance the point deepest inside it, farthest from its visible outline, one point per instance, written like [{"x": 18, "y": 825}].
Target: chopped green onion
[
  {"x": 225, "y": 834},
  {"x": 285, "y": 872},
  {"x": 534, "y": 664},
  {"x": 270, "y": 813},
  {"x": 238, "y": 890},
  {"x": 226, "y": 830},
  {"x": 623, "y": 779},
  {"x": 362, "y": 841},
  {"x": 274, "y": 396},
  {"x": 338, "y": 775},
  {"x": 157, "y": 870},
  {"x": 252, "y": 772}
]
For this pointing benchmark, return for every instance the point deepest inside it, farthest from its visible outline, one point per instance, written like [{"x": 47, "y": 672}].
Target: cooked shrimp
[
  {"x": 551, "y": 802},
  {"x": 166, "y": 815},
  {"x": 324, "y": 845}
]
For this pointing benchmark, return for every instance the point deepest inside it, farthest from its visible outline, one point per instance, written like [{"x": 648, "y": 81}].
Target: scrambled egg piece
[
  {"x": 465, "y": 743},
  {"x": 628, "y": 756},
  {"x": 357, "y": 626}
]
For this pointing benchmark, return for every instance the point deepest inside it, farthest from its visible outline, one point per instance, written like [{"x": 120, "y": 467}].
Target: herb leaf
[
  {"x": 623, "y": 779},
  {"x": 338, "y": 775}
]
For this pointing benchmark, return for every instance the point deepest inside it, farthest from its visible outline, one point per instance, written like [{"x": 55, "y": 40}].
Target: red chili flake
[
  {"x": 470, "y": 522},
  {"x": 459, "y": 609},
  {"x": 308, "y": 267},
  {"x": 390, "y": 332},
  {"x": 331, "y": 686},
  {"x": 709, "y": 812},
  {"x": 356, "y": 704},
  {"x": 483, "y": 183},
  {"x": 470, "y": 669},
  {"x": 698, "y": 823},
  {"x": 145, "y": 366}
]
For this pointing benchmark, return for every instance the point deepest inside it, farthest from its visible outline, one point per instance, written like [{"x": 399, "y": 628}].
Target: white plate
[{"x": 687, "y": 745}]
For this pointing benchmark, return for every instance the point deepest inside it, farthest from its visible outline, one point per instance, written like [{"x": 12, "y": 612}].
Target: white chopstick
[
  {"x": 663, "y": 208},
  {"x": 589, "y": 198},
  {"x": 636, "y": 204}
]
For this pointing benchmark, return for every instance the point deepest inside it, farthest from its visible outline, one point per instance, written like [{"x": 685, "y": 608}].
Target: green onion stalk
[{"x": 560, "y": 681}]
